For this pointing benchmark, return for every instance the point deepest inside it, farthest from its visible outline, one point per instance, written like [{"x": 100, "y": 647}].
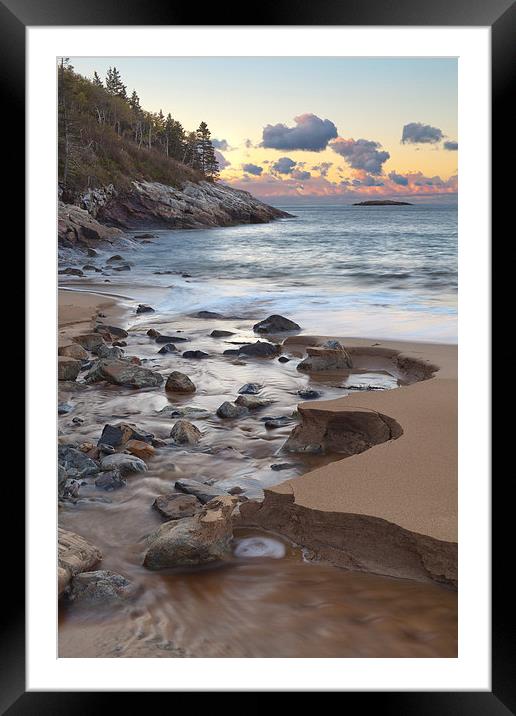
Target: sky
[{"x": 307, "y": 127}]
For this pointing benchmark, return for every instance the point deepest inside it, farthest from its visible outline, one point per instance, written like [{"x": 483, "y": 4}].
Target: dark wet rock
[
  {"x": 123, "y": 372},
  {"x": 153, "y": 333},
  {"x": 77, "y": 420},
  {"x": 75, "y": 555},
  {"x": 111, "y": 330},
  {"x": 275, "y": 324},
  {"x": 168, "y": 348},
  {"x": 184, "y": 433},
  {"x": 123, "y": 463},
  {"x": 178, "y": 382},
  {"x": 123, "y": 267},
  {"x": 145, "y": 236},
  {"x": 176, "y": 506},
  {"x": 118, "y": 435},
  {"x": 307, "y": 394},
  {"x": 89, "y": 340},
  {"x": 120, "y": 344},
  {"x": 71, "y": 272},
  {"x": 72, "y": 459},
  {"x": 198, "y": 355},
  {"x": 104, "y": 351},
  {"x": 91, "y": 267},
  {"x": 71, "y": 489},
  {"x": 200, "y": 490},
  {"x": 231, "y": 411},
  {"x": 260, "y": 349},
  {"x": 282, "y": 466},
  {"x": 73, "y": 350},
  {"x": 105, "y": 449},
  {"x": 171, "y": 339},
  {"x": 250, "y": 389},
  {"x": 201, "y": 539},
  {"x": 114, "y": 259},
  {"x": 64, "y": 408},
  {"x": 321, "y": 359},
  {"x": 143, "y": 308},
  {"x": 231, "y": 352},
  {"x": 110, "y": 480},
  {"x": 252, "y": 402},
  {"x": 188, "y": 412},
  {"x": 284, "y": 359},
  {"x": 208, "y": 314},
  {"x": 235, "y": 490},
  {"x": 276, "y": 422},
  {"x": 91, "y": 252},
  {"x": 100, "y": 587},
  {"x": 221, "y": 334},
  {"x": 67, "y": 368}
]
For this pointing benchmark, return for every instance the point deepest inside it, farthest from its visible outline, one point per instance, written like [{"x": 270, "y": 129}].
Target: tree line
[{"x": 86, "y": 108}]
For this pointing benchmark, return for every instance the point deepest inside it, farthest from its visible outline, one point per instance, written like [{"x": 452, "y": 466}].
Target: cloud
[
  {"x": 300, "y": 175},
  {"x": 253, "y": 169},
  {"x": 310, "y": 134},
  {"x": 361, "y": 154},
  {"x": 398, "y": 179},
  {"x": 451, "y": 146},
  {"x": 368, "y": 180},
  {"x": 285, "y": 165},
  {"x": 222, "y": 161},
  {"x": 418, "y": 133},
  {"x": 322, "y": 168},
  {"x": 221, "y": 144},
  {"x": 248, "y": 144}
]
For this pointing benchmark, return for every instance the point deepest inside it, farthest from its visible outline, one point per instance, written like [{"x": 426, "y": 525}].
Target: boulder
[
  {"x": 111, "y": 330},
  {"x": 75, "y": 555},
  {"x": 275, "y": 324},
  {"x": 189, "y": 412},
  {"x": 221, "y": 334},
  {"x": 168, "y": 348},
  {"x": 208, "y": 314},
  {"x": 231, "y": 411},
  {"x": 153, "y": 333},
  {"x": 284, "y": 359},
  {"x": 122, "y": 267},
  {"x": 72, "y": 459},
  {"x": 279, "y": 422},
  {"x": 178, "y": 382},
  {"x": 101, "y": 586},
  {"x": 307, "y": 394},
  {"x": 118, "y": 435},
  {"x": 89, "y": 340},
  {"x": 171, "y": 339},
  {"x": 176, "y": 506},
  {"x": 184, "y": 433},
  {"x": 114, "y": 259},
  {"x": 201, "y": 539},
  {"x": 260, "y": 349},
  {"x": 196, "y": 354},
  {"x": 250, "y": 389},
  {"x": 104, "y": 351},
  {"x": 139, "y": 448},
  {"x": 252, "y": 402},
  {"x": 110, "y": 480},
  {"x": 67, "y": 368},
  {"x": 144, "y": 308},
  {"x": 125, "y": 464},
  {"x": 123, "y": 372},
  {"x": 73, "y": 350},
  {"x": 71, "y": 272},
  {"x": 322, "y": 359},
  {"x": 203, "y": 492}
]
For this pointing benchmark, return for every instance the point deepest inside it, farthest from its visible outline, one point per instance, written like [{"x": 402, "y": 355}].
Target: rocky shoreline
[{"x": 100, "y": 216}]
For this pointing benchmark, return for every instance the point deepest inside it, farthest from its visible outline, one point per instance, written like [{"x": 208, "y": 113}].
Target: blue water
[{"x": 388, "y": 272}]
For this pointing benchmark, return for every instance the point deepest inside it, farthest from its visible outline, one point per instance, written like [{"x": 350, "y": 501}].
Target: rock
[
  {"x": 184, "y": 433},
  {"x": 171, "y": 339},
  {"x": 179, "y": 383},
  {"x": 104, "y": 351},
  {"x": 110, "y": 480},
  {"x": 101, "y": 586},
  {"x": 275, "y": 324},
  {"x": 77, "y": 226},
  {"x": 89, "y": 340},
  {"x": 231, "y": 411},
  {"x": 279, "y": 422},
  {"x": 176, "y": 506},
  {"x": 71, "y": 272},
  {"x": 72, "y": 459},
  {"x": 64, "y": 408},
  {"x": 73, "y": 350},
  {"x": 111, "y": 330},
  {"x": 195, "y": 354},
  {"x": 90, "y": 267},
  {"x": 201, "y": 539},
  {"x": 139, "y": 448},
  {"x": 153, "y": 333},
  {"x": 118, "y": 435},
  {"x": 284, "y": 359},
  {"x": 123, "y": 267},
  {"x": 143, "y": 308},
  {"x": 77, "y": 420},
  {"x": 202, "y": 491},
  {"x": 250, "y": 389},
  {"x": 221, "y": 334},
  {"x": 71, "y": 489},
  {"x": 168, "y": 348},
  {"x": 114, "y": 259},
  {"x": 282, "y": 466},
  {"x": 91, "y": 252},
  {"x": 189, "y": 412},
  {"x": 208, "y": 314},
  {"x": 67, "y": 368},
  {"x": 252, "y": 402},
  {"x": 334, "y": 344},
  {"x": 307, "y": 394},
  {"x": 120, "y": 344},
  {"x": 230, "y": 352},
  {"x": 321, "y": 359},
  {"x": 75, "y": 555},
  {"x": 145, "y": 236},
  {"x": 235, "y": 490},
  {"x": 125, "y": 464},
  {"x": 261, "y": 349},
  {"x": 123, "y": 372}
]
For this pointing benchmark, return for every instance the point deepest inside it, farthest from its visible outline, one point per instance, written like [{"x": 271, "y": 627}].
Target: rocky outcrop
[
  {"x": 325, "y": 358},
  {"x": 192, "y": 206},
  {"x": 76, "y": 227}
]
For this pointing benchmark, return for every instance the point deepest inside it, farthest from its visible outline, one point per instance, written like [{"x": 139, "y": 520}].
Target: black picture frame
[{"x": 500, "y": 16}]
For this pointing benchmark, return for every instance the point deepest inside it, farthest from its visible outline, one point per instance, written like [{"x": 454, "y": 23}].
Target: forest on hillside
[{"x": 106, "y": 137}]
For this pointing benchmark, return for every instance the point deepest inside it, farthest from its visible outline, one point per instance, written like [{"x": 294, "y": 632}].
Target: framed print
[{"x": 258, "y": 268}]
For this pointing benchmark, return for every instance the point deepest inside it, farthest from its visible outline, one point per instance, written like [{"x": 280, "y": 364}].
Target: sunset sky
[{"x": 310, "y": 127}]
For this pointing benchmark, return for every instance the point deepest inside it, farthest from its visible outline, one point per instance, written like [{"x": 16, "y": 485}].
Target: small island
[{"x": 385, "y": 202}]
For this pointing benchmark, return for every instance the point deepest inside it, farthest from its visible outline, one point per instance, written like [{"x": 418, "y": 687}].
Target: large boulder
[
  {"x": 75, "y": 555},
  {"x": 201, "y": 491},
  {"x": 73, "y": 460},
  {"x": 323, "y": 359},
  {"x": 185, "y": 433},
  {"x": 73, "y": 350},
  {"x": 124, "y": 463},
  {"x": 250, "y": 389},
  {"x": 67, "y": 368},
  {"x": 140, "y": 449},
  {"x": 275, "y": 324},
  {"x": 89, "y": 340},
  {"x": 178, "y": 382},
  {"x": 109, "y": 352},
  {"x": 176, "y": 506},
  {"x": 231, "y": 411},
  {"x": 252, "y": 402},
  {"x": 77, "y": 225},
  {"x": 102, "y": 328},
  {"x": 201, "y": 539},
  {"x": 101, "y": 586},
  {"x": 260, "y": 349},
  {"x": 123, "y": 372}
]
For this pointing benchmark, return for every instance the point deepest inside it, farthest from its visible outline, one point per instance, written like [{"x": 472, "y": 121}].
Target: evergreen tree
[
  {"x": 114, "y": 84},
  {"x": 97, "y": 81},
  {"x": 174, "y": 138},
  {"x": 207, "y": 161},
  {"x": 191, "y": 152}
]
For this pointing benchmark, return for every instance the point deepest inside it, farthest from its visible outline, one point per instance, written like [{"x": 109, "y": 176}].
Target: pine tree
[
  {"x": 114, "y": 84},
  {"x": 97, "y": 81},
  {"x": 174, "y": 138},
  {"x": 207, "y": 161},
  {"x": 191, "y": 152}
]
